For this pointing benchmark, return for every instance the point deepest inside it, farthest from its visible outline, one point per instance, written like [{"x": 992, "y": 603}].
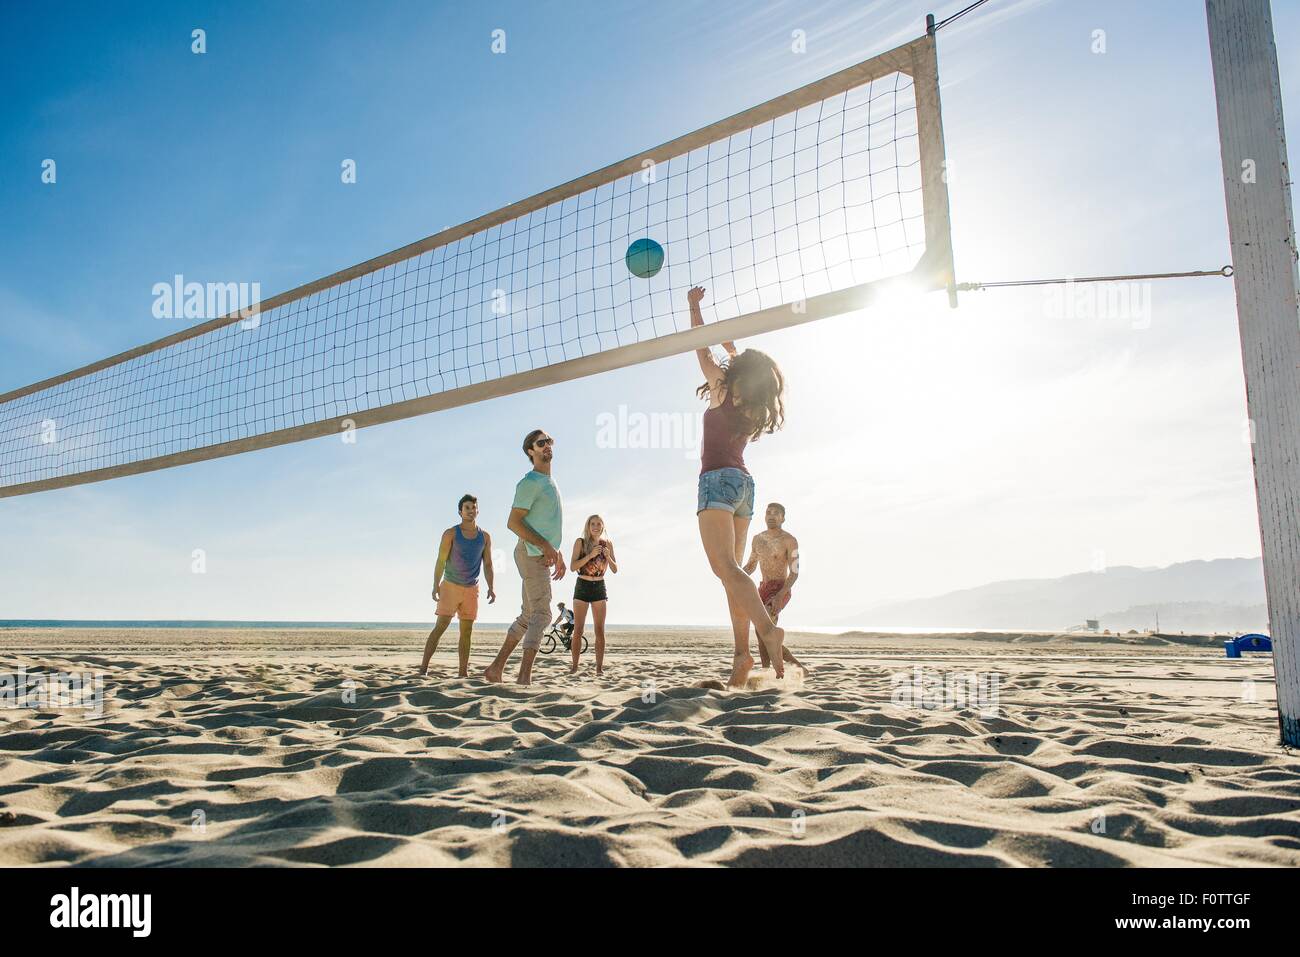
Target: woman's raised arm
[{"x": 712, "y": 371}]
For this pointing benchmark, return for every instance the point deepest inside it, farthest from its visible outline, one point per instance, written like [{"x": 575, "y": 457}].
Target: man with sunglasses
[{"x": 535, "y": 516}]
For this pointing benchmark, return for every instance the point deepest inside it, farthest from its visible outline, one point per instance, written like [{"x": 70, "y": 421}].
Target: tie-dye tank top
[{"x": 466, "y": 558}]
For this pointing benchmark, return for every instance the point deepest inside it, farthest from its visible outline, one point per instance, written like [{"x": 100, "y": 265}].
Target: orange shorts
[{"x": 458, "y": 600}]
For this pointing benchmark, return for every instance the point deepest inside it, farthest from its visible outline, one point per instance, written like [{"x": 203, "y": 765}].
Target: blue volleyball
[{"x": 644, "y": 258}]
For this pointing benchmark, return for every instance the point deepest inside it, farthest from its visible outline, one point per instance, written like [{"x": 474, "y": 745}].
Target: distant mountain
[
  {"x": 1202, "y": 617},
  {"x": 1226, "y": 594}
]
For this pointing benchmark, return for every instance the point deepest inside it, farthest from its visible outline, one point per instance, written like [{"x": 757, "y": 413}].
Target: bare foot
[
  {"x": 462, "y": 674},
  {"x": 775, "y": 641},
  {"x": 492, "y": 673},
  {"x": 599, "y": 672},
  {"x": 424, "y": 671},
  {"x": 741, "y": 666},
  {"x": 791, "y": 659}
]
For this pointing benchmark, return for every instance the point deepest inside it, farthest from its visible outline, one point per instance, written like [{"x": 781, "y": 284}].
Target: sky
[{"x": 1023, "y": 435}]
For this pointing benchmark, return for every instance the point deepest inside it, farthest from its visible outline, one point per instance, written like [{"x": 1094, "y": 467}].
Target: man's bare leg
[
  {"x": 493, "y": 671},
  {"x": 466, "y": 631},
  {"x": 431, "y": 645},
  {"x": 526, "y": 666}
]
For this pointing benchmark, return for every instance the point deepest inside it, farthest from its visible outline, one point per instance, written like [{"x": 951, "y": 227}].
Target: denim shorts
[{"x": 728, "y": 489}]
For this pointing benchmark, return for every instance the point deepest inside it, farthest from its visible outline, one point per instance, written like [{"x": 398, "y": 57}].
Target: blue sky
[{"x": 927, "y": 450}]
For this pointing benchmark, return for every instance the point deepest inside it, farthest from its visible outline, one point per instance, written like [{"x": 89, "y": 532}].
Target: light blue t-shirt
[{"x": 539, "y": 494}]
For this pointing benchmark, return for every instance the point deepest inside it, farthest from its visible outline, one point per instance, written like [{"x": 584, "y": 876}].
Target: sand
[{"x": 325, "y": 748}]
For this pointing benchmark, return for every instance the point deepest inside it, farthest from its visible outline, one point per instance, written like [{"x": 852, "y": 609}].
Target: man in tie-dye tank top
[{"x": 463, "y": 551}]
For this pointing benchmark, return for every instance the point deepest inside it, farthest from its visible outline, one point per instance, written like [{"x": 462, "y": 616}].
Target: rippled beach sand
[{"x": 314, "y": 747}]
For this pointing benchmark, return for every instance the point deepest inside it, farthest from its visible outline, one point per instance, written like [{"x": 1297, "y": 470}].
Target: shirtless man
[{"x": 777, "y": 552}]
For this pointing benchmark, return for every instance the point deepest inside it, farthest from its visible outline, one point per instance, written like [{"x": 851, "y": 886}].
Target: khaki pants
[{"x": 535, "y": 614}]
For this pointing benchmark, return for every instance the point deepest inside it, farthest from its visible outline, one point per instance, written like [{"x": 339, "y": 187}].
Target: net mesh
[{"x": 818, "y": 200}]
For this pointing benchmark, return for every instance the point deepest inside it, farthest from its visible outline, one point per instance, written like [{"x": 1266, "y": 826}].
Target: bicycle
[{"x": 556, "y": 637}]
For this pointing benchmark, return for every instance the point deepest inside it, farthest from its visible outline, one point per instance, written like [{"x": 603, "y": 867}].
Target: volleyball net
[{"x": 797, "y": 209}]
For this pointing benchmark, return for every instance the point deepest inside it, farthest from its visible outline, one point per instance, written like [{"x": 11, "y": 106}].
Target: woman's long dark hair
[{"x": 762, "y": 390}]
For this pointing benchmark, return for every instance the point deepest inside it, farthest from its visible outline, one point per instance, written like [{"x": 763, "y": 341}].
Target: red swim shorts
[{"x": 769, "y": 590}]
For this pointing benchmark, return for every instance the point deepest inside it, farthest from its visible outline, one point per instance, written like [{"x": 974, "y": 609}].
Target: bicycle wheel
[
  {"x": 547, "y": 645},
  {"x": 584, "y": 644}
]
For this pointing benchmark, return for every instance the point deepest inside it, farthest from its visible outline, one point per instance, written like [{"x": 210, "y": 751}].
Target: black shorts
[{"x": 589, "y": 591}]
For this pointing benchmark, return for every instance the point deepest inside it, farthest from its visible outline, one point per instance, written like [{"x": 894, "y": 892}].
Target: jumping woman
[
  {"x": 745, "y": 396},
  {"x": 592, "y": 554}
]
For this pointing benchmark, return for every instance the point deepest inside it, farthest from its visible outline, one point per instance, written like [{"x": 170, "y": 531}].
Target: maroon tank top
[{"x": 726, "y": 433}]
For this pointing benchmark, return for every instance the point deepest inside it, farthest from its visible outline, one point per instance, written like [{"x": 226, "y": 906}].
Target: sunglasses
[{"x": 543, "y": 443}]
